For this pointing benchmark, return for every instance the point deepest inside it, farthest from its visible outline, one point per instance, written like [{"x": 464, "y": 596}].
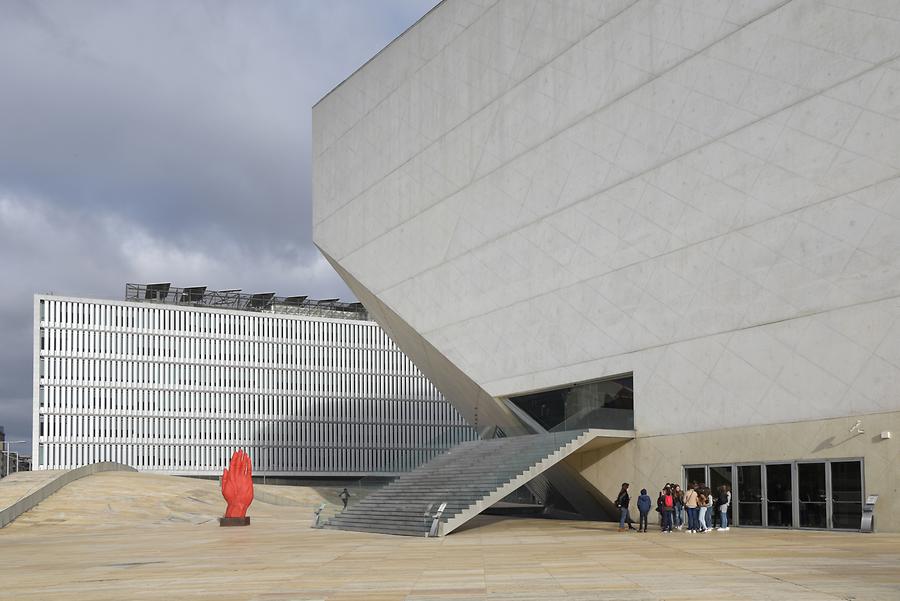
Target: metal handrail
[{"x": 436, "y": 521}]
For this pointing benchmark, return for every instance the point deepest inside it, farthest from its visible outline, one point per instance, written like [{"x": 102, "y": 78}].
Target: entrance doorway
[
  {"x": 797, "y": 494},
  {"x": 779, "y": 496},
  {"x": 813, "y": 500},
  {"x": 846, "y": 494},
  {"x": 720, "y": 475},
  {"x": 750, "y": 496},
  {"x": 713, "y": 476}
]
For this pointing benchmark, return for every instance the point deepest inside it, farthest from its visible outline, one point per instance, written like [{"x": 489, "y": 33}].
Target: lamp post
[{"x": 7, "y": 443}]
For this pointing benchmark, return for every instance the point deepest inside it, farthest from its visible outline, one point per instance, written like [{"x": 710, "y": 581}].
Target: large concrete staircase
[{"x": 469, "y": 478}]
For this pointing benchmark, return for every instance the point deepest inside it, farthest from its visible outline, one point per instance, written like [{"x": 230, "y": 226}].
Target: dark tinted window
[
  {"x": 599, "y": 404},
  {"x": 846, "y": 494}
]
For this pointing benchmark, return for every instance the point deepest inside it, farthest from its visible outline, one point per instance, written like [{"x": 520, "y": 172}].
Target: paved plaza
[{"x": 135, "y": 536}]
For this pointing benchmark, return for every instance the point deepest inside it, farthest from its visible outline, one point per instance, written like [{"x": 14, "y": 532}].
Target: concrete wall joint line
[
  {"x": 641, "y": 174},
  {"x": 572, "y": 124},
  {"x": 707, "y": 335},
  {"x": 525, "y": 78}
]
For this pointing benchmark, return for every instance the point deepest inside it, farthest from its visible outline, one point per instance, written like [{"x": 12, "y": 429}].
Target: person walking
[
  {"x": 643, "y": 505},
  {"x": 668, "y": 509},
  {"x": 690, "y": 505},
  {"x": 724, "y": 502},
  {"x": 622, "y": 502},
  {"x": 345, "y": 496}
]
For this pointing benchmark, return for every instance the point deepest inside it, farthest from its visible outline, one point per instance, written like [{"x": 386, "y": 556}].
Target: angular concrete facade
[{"x": 528, "y": 194}]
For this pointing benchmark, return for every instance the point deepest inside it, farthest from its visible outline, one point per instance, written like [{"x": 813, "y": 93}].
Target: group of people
[{"x": 698, "y": 503}]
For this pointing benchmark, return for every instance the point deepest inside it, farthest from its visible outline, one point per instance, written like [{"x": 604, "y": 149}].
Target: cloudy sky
[{"x": 164, "y": 141}]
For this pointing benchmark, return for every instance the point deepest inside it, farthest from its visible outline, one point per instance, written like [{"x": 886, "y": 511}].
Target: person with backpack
[
  {"x": 622, "y": 502},
  {"x": 668, "y": 509},
  {"x": 724, "y": 501},
  {"x": 643, "y": 505}
]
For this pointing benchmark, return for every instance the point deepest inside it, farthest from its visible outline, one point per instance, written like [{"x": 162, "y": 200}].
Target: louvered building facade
[{"x": 171, "y": 384}]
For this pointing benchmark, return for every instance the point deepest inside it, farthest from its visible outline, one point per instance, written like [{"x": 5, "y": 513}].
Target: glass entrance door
[
  {"x": 811, "y": 495},
  {"x": 749, "y": 495},
  {"x": 779, "y": 508},
  {"x": 846, "y": 494},
  {"x": 720, "y": 475},
  {"x": 794, "y": 494}
]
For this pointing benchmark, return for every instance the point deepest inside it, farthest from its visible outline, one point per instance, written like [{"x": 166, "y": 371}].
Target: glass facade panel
[
  {"x": 750, "y": 495},
  {"x": 811, "y": 495},
  {"x": 778, "y": 496},
  {"x": 601, "y": 404},
  {"x": 846, "y": 494}
]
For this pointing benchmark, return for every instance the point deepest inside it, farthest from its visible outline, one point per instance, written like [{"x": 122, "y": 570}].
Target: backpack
[
  {"x": 669, "y": 501},
  {"x": 723, "y": 498}
]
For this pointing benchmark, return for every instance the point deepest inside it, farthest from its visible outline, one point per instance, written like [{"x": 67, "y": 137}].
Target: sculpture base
[{"x": 245, "y": 521}]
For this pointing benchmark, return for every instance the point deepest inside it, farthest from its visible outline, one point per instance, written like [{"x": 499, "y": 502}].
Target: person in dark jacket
[
  {"x": 643, "y": 505},
  {"x": 622, "y": 502},
  {"x": 668, "y": 509},
  {"x": 723, "y": 502}
]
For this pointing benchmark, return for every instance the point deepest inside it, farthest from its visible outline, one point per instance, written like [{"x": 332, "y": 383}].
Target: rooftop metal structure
[{"x": 199, "y": 296}]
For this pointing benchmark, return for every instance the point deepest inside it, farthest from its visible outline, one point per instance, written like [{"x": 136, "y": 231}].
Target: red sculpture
[{"x": 237, "y": 488}]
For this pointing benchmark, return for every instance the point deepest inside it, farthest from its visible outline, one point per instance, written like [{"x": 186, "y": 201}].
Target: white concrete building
[
  {"x": 702, "y": 198},
  {"x": 171, "y": 381}
]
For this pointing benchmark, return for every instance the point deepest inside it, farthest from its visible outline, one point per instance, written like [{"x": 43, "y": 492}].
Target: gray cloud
[{"x": 163, "y": 141}]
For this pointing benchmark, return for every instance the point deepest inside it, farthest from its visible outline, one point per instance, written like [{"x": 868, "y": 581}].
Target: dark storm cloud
[{"x": 163, "y": 141}]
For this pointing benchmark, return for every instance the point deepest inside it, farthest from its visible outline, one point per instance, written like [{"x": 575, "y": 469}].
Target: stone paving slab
[{"x": 117, "y": 536}]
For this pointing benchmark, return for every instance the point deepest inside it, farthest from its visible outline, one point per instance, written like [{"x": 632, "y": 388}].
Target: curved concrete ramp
[
  {"x": 113, "y": 500},
  {"x": 20, "y": 492}
]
